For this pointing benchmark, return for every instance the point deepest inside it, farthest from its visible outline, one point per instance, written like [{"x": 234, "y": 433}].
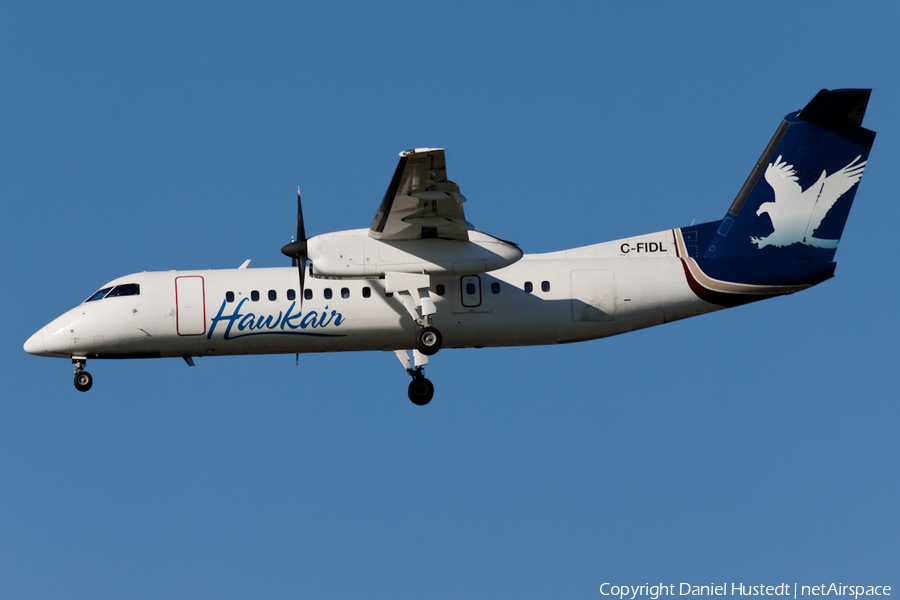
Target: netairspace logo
[{"x": 654, "y": 592}]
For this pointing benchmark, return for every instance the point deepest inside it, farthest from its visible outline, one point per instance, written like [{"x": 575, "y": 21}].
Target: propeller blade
[
  {"x": 297, "y": 250},
  {"x": 301, "y": 230}
]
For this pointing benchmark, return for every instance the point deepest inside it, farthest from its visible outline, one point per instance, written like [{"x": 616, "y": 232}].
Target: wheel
[
  {"x": 83, "y": 381},
  {"x": 428, "y": 341},
  {"x": 421, "y": 391}
]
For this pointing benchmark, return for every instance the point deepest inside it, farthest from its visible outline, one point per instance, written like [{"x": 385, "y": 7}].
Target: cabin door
[
  {"x": 470, "y": 291},
  {"x": 190, "y": 306}
]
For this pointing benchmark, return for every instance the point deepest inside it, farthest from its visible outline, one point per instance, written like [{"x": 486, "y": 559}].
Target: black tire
[
  {"x": 428, "y": 341},
  {"x": 421, "y": 391},
  {"x": 83, "y": 381}
]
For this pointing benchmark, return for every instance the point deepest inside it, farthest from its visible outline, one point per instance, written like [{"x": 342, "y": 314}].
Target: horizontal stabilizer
[{"x": 835, "y": 108}]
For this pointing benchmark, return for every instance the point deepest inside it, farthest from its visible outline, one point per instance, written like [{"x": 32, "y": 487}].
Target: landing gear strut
[
  {"x": 83, "y": 379},
  {"x": 421, "y": 391},
  {"x": 412, "y": 290}
]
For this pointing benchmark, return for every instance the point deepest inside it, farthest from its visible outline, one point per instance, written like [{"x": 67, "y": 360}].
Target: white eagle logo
[{"x": 797, "y": 213}]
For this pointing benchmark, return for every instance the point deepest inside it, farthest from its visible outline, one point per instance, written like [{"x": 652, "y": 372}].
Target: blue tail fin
[
  {"x": 796, "y": 201},
  {"x": 783, "y": 229}
]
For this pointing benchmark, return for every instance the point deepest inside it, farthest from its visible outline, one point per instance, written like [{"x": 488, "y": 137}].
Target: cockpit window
[
  {"x": 99, "y": 294},
  {"x": 126, "y": 289}
]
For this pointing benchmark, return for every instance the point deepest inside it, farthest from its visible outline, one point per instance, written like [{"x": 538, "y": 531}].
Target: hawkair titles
[
  {"x": 654, "y": 591},
  {"x": 248, "y": 324}
]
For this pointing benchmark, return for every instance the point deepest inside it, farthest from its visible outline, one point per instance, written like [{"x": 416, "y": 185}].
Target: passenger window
[
  {"x": 99, "y": 294},
  {"x": 495, "y": 288},
  {"x": 528, "y": 287},
  {"x": 272, "y": 295},
  {"x": 440, "y": 290},
  {"x": 229, "y": 296},
  {"x": 254, "y": 295},
  {"x": 327, "y": 293},
  {"x": 128, "y": 289},
  {"x": 470, "y": 289},
  {"x": 545, "y": 286},
  {"x": 307, "y": 293},
  {"x": 291, "y": 294},
  {"x": 367, "y": 292},
  {"x": 345, "y": 293}
]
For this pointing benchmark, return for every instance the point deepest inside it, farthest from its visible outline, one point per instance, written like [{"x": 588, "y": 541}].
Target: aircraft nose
[
  {"x": 50, "y": 340},
  {"x": 35, "y": 344}
]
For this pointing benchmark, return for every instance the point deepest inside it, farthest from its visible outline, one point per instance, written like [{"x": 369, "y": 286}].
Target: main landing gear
[
  {"x": 428, "y": 341},
  {"x": 83, "y": 379},
  {"x": 412, "y": 290},
  {"x": 421, "y": 390}
]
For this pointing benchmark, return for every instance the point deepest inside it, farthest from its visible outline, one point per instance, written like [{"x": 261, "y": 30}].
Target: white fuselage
[{"x": 579, "y": 294}]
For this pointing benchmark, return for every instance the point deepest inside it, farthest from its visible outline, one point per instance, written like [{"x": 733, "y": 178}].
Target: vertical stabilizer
[{"x": 795, "y": 203}]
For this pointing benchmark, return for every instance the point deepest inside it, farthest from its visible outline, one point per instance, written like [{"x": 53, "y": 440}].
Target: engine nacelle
[{"x": 354, "y": 253}]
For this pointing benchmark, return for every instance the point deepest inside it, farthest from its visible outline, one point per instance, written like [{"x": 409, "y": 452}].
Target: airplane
[{"x": 421, "y": 277}]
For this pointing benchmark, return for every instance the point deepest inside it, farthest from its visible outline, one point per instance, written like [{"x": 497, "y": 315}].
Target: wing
[
  {"x": 834, "y": 187},
  {"x": 421, "y": 202}
]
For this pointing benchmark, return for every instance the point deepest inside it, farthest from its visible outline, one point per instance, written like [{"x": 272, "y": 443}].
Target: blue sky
[{"x": 755, "y": 445}]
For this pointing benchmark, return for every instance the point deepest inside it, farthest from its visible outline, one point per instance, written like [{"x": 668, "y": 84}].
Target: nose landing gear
[{"x": 83, "y": 379}]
